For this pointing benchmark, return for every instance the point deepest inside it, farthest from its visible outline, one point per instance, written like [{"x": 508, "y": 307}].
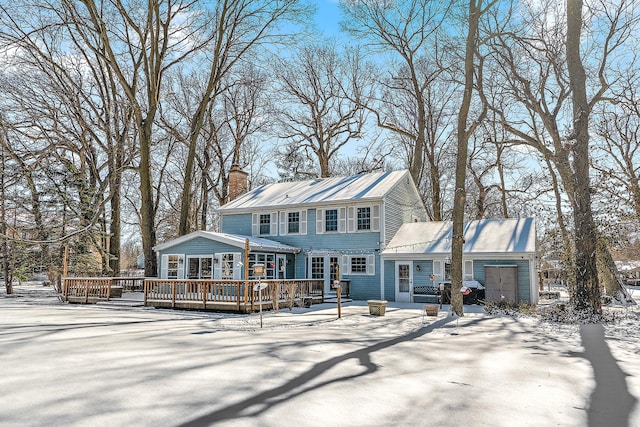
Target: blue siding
[
  {"x": 401, "y": 204},
  {"x": 524, "y": 275},
  {"x": 420, "y": 278},
  {"x": 236, "y": 224},
  {"x": 362, "y": 243}
]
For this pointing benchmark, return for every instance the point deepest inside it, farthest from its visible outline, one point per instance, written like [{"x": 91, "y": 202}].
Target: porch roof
[
  {"x": 237, "y": 240},
  {"x": 487, "y": 236}
]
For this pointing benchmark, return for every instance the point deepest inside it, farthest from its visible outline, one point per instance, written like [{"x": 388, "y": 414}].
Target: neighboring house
[
  {"x": 314, "y": 229},
  {"x": 498, "y": 253},
  {"x": 369, "y": 229}
]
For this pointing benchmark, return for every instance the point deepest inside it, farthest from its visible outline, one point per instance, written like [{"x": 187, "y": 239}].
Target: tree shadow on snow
[
  {"x": 611, "y": 403},
  {"x": 264, "y": 401}
]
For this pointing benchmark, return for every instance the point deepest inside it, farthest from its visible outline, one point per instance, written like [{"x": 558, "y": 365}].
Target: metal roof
[
  {"x": 370, "y": 186},
  {"x": 238, "y": 240},
  {"x": 493, "y": 236}
]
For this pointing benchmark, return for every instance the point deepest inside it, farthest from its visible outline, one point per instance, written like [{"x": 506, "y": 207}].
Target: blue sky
[{"x": 328, "y": 16}]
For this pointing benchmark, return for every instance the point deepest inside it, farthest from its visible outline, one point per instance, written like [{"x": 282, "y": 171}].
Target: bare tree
[
  {"x": 588, "y": 293},
  {"x": 472, "y": 81},
  {"x": 412, "y": 103},
  {"x": 319, "y": 116},
  {"x": 618, "y": 132},
  {"x": 533, "y": 63},
  {"x": 241, "y": 27},
  {"x": 140, "y": 42}
]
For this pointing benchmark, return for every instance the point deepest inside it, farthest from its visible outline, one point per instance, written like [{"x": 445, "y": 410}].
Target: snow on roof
[
  {"x": 483, "y": 236},
  {"x": 322, "y": 190},
  {"x": 238, "y": 240}
]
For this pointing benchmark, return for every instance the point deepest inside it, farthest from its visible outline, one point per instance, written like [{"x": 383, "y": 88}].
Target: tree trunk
[
  {"x": 457, "y": 238},
  {"x": 147, "y": 208},
  {"x": 587, "y": 286},
  {"x": 3, "y": 225},
  {"x": 436, "y": 189},
  {"x": 114, "y": 226}
]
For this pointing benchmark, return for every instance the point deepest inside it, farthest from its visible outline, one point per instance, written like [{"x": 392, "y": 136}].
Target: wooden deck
[
  {"x": 238, "y": 296},
  {"x": 229, "y": 295}
]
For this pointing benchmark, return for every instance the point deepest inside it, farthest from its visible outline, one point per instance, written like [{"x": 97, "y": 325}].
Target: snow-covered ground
[{"x": 116, "y": 365}]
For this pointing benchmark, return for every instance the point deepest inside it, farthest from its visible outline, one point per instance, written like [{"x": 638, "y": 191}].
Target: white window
[
  {"x": 467, "y": 270},
  {"x": 359, "y": 264},
  {"x": 293, "y": 222},
  {"x": 364, "y": 218},
  {"x": 438, "y": 270},
  {"x": 172, "y": 266},
  {"x": 331, "y": 220},
  {"x": 268, "y": 260},
  {"x": 227, "y": 266},
  {"x": 264, "y": 224}
]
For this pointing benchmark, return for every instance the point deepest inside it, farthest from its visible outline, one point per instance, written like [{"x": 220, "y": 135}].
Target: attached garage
[{"x": 500, "y": 254}]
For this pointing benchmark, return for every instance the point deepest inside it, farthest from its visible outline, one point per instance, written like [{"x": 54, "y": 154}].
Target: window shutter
[
  {"x": 342, "y": 220},
  {"x": 274, "y": 224},
  {"x": 375, "y": 218},
  {"x": 164, "y": 266},
  {"x": 283, "y": 223},
  {"x": 346, "y": 265},
  {"x": 181, "y": 267},
  {"x": 217, "y": 266},
  {"x": 303, "y": 221},
  {"x": 351, "y": 219},
  {"x": 371, "y": 265},
  {"x": 319, "y": 221},
  {"x": 468, "y": 270},
  {"x": 255, "y": 227},
  {"x": 237, "y": 270}
]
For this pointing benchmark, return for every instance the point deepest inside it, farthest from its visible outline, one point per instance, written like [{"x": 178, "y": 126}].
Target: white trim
[
  {"x": 237, "y": 240},
  {"x": 396, "y": 284}
]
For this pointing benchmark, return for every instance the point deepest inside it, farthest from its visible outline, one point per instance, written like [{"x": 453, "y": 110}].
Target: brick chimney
[{"x": 237, "y": 182}]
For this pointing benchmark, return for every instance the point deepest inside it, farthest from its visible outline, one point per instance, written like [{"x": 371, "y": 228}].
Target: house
[
  {"x": 368, "y": 229},
  {"x": 315, "y": 229},
  {"x": 500, "y": 254}
]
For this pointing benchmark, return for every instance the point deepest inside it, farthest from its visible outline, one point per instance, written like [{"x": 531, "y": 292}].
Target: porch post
[{"x": 246, "y": 271}]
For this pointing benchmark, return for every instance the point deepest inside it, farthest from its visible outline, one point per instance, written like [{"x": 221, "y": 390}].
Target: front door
[
  {"x": 281, "y": 266},
  {"x": 404, "y": 281}
]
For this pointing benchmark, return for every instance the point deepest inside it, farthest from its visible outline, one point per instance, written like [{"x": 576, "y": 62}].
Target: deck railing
[
  {"x": 239, "y": 293},
  {"x": 86, "y": 288}
]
